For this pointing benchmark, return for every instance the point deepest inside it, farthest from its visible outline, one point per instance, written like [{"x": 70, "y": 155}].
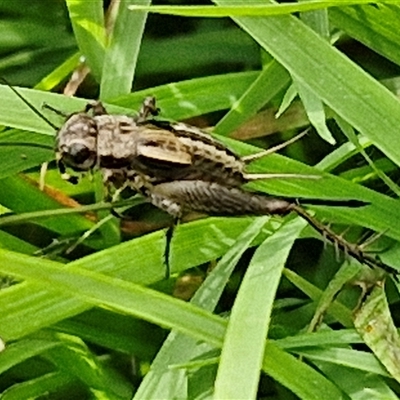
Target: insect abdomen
[{"x": 215, "y": 199}]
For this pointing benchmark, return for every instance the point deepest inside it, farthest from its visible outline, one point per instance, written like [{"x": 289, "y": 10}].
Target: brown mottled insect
[{"x": 177, "y": 167}]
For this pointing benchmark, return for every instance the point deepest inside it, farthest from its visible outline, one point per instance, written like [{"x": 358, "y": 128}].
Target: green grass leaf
[
  {"x": 43, "y": 385},
  {"x": 375, "y": 324},
  {"x": 350, "y": 358},
  {"x": 186, "y": 99},
  {"x": 272, "y": 79},
  {"x": 87, "y": 19},
  {"x": 193, "y": 98},
  {"x": 248, "y": 325},
  {"x": 53, "y": 79},
  {"x": 320, "y": 338},
  {"x": 338, "y": 310},
  {"x": 24, "y": 349},
  {"x": 157, "y": 307},
  {"x": 342, "y": 85},
  {"x": 74, "y": 357},
  {"x": 376, "y": 27},
  {"x": 19, "y": 152},
  {"x": 315, "y": 112},
  {"x": 36, "y": 307},
  {"x": 20, "y": 195},
  {"x": 122, "y": 51},
  {"x": 255, "y": 10},
  {"x": 117, "y": 294},
  {"x": 302, "y": 379},
  {"x": 353, "y": 382},
  {"x": 177, "y": 349}
]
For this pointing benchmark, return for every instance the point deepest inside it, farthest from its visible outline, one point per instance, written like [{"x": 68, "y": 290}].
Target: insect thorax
[{"x": 162, "y": 152}]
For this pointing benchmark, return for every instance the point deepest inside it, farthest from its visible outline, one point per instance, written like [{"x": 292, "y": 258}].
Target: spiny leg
[
  {"x": 173, "y": 208},
  {"x": 215, "y": 199},
  {"x": 351, "y": 249}
]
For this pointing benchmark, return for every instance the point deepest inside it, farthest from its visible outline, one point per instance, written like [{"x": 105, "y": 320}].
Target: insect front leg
[
  {"x": 115, "y": 181},
  {"x": 96, "y": 107},
  {"x": 148, "y": 108},
  {"x": 63, "y": 171}
]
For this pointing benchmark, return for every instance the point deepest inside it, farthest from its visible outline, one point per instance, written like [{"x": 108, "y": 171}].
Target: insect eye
[
  {"x": 80, "y": 153},
  {"x": 79, "y": 156}
]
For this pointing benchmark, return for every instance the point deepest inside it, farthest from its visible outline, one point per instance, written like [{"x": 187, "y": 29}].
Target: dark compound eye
[
  {"x": 79, "y": 153},
  {"x": 79, "y": 156}
]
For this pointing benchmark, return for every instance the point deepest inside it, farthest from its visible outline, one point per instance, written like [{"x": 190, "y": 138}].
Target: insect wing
[
  {"x": 191, "y": 132},
  {"x": 164, "y": 155},
  {"x": 162, "y": 146}
]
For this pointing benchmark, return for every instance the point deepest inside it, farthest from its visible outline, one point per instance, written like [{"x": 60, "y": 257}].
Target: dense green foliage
[{"x": 86, "y": 312}]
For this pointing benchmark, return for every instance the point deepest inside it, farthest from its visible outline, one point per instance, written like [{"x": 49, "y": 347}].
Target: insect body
[
  {"x": 177, "y": 167},
  {"x": 166, "y": 151}
]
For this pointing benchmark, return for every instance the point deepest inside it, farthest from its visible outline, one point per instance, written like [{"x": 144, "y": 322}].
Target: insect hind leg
[
  {"x": 172, "y": 207},
  {"x": 168, "y": 241}
]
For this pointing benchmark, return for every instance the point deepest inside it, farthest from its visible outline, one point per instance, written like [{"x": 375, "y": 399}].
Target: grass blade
[
  {"x": 122, "y": 51},
  {"x": 248, "y": 325},
  {"x": 161, "y": 380},
  {"x": 117, "y": 294},
  {"x": 271, "y": 80},
  {"x": 87, "y": 19},
  {"x": 353, "y": 94},
  {"x": 254, "y": 10},
  {"x": 375, "y": 325}
]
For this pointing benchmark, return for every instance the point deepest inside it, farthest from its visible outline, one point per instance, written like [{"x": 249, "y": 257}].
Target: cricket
[{"x": 179, "y": 169}]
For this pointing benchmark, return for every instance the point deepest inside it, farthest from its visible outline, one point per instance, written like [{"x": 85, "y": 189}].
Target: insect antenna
[
  {"x": 253, "y": 157},
  {"x": 54, "y": 110},
  {"x": 30, "y": 105}
]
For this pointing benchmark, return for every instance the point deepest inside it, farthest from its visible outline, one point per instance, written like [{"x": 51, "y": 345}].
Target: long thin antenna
[
  {"x": 252, "y": 157},
  {"x": 30, "y": 105},
  {"x": 54, "y": 110}
]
